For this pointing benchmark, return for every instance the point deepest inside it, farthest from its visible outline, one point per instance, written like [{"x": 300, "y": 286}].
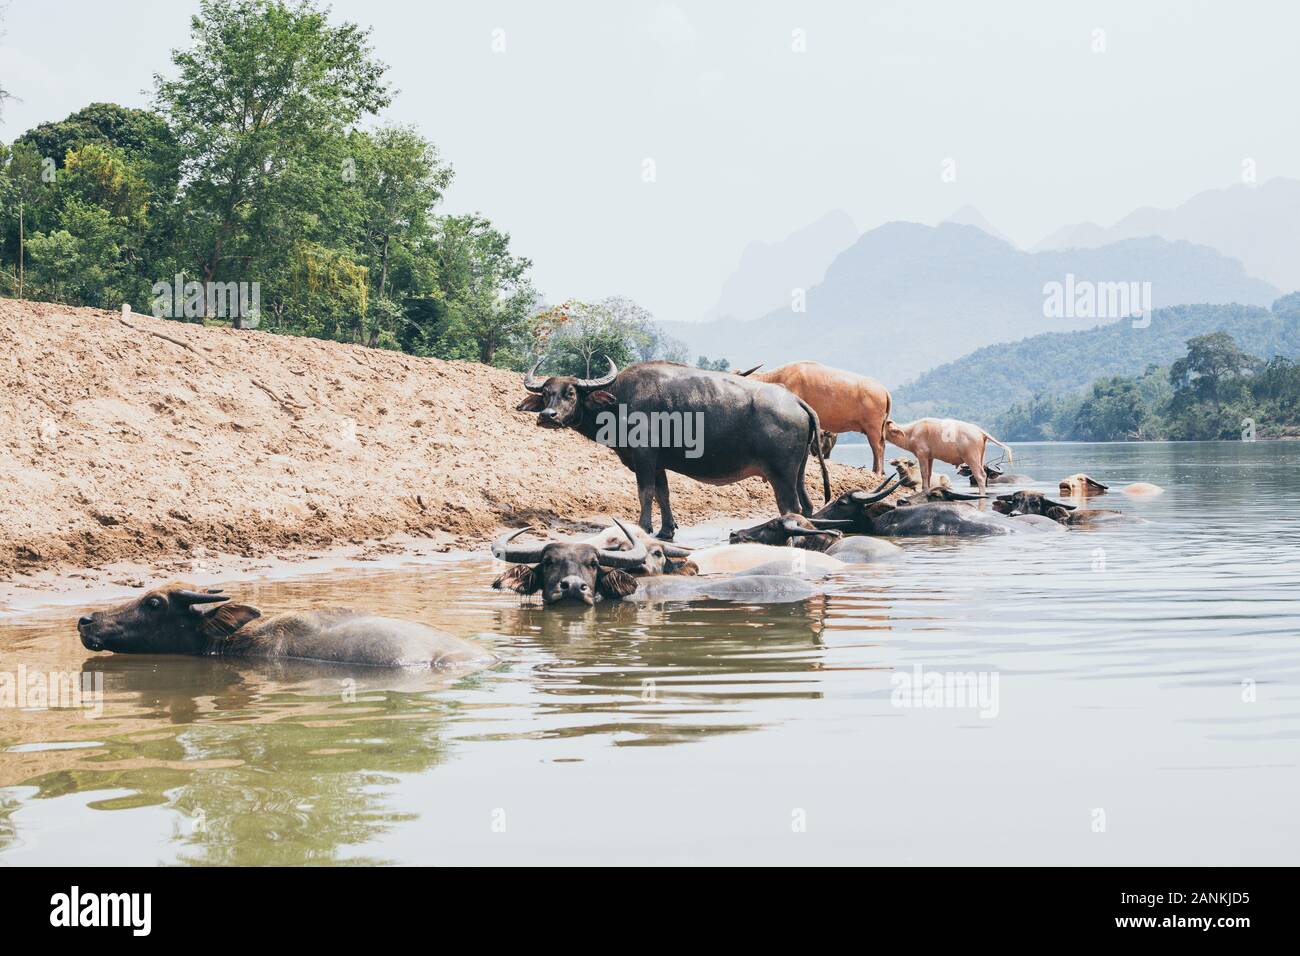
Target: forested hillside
[
  {"x": 1215, "y": 391},
  {"x": 985, "y": 384}
]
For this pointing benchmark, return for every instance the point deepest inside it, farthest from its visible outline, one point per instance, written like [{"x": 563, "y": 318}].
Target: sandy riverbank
[{"x": 130, "y": 452}]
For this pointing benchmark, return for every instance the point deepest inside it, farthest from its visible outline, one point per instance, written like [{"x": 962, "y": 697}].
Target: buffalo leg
[
  {"x": 791, "y": 496},
  {"x": 667, "y": 526},
  {"x": 977, "y": 474},
  {"x": 927, "y": 466},
  {"x": 645, "y": 489},
  {"x": 805, "y": 503},
  {"x": 877, "y": 443}
]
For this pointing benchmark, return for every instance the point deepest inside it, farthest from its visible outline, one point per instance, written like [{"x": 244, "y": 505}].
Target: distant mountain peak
[
  {"x": 1256, "y": 224},
  {"x": 970, "y": 216},
  {"x": 768, "y": 271}
]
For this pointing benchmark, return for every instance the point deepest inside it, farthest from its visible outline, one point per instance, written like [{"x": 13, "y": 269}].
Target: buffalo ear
[
  {"x": 615, "y": 583},
  {"x": 601, "y": 397},
  {"x": 533, "y": 403},
  {"x": 522, "y": 579},
  {"x": 227, "y": 619}
]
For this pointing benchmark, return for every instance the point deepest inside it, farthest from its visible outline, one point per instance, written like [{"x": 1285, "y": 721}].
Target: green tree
[
  {"x": 262, "y": 101},
  {"x": 486, "y": 298},
  {"x": 1213, "y": 363}
]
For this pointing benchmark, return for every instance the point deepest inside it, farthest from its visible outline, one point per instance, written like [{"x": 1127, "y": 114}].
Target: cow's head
[
  {"x": 990, "y": 471},
  {"x": 909, "y": 472},
  {"x": 1028, "y": 503},
  {"x": 559, "y": 400},
  {"x": 660, "y": 557},
  {"x": 1082, "y": 486},
  {"x": 895, "y": 435},
  {"x": 172, "y": 619},
  {"x": 781, "y": 531},
  {"x": 858, "y": 507},
  {"x": 567, "y": 571}
]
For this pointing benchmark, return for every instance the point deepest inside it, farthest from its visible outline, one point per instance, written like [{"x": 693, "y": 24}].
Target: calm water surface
[{"x": 1147, "y": 710}]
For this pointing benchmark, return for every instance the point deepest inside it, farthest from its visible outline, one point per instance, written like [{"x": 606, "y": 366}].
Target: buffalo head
[
  {"x": 567, "y": 571},
  {"x": 858, "y": 507},
  {"x": 1029, "y": 503},
  {"x": 172, "y": 619},
  {"x": 559, "y": 400},
  {"x": 815, "y": 534}
]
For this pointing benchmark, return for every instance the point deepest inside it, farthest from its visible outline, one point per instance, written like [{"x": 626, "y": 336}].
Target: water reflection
[{"x": 665, "y": 675}]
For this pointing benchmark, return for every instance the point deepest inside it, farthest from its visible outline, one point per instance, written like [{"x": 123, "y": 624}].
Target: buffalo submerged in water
[
  {"x": 737, "y": 428},
  {"x": 583, "y": 574},
  {"x": 178, "y": 619}
]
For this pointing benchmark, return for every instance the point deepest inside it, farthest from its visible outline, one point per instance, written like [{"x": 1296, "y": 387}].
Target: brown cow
[
  {"x": 844, "y": 401},
  {"x": 946, "y": 439}
]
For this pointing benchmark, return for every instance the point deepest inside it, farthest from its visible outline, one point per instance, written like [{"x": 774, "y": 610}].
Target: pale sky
[{"x": 749, "y": 138}]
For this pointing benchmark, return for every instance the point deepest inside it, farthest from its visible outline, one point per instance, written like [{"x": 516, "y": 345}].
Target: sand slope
[{"x": 119, "y": 444}]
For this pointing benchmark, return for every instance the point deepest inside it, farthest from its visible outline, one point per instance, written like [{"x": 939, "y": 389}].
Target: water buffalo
[
  {"x": 711, "y": 426},
  {"x": 660, "y": 556},
  {"x": 178, "y": 619},
  {"x": 845, "y": 401},
  {"x": 814, "y": 534},
  {"x": 572, "y": 572},
  {"x": 946, "y": 439},
  {"x": 1036, "y": 503},
  {"x": 993, "y": 476},
  {"x": 939, "y": 512},
  {"x": 1028, "y": 503},
  {"x": 1082, "y": 486},
  {"x": 857, "y": 507},
  {"x": 567, "y": 571},
  {"x": 827, "y": 442},
  {"x": 941, "y": 519}
]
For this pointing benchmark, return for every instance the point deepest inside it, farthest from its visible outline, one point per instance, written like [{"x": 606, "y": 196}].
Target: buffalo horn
[
  {"x": 600, "y": 382},
  {"x": 503, "y": 550},
  {"x": 624, "y": 559},
  {"x": 530, "y": 382},
  {"x": 867, "y": 497},
  {"x": 198, "y": 597}
]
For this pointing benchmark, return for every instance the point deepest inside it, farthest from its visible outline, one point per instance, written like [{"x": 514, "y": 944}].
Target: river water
[{"x": 1128, "y": 694}]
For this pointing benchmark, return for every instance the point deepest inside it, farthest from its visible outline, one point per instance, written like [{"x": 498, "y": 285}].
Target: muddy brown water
[{"x": 1131, "y": 696}]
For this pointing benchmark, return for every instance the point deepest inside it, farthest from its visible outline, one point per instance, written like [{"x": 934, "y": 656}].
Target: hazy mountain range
[
  {"x": 768, "y": 271},
  {"x": 906, "y": 297},
  {"x": 1259, "y": 225}
]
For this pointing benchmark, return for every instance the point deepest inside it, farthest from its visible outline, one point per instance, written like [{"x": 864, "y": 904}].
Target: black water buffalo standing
[{"x": 711, "y": 426}]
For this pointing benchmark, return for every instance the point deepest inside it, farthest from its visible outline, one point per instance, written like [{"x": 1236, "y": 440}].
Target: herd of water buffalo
[{"x": 752, "y": 424}]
